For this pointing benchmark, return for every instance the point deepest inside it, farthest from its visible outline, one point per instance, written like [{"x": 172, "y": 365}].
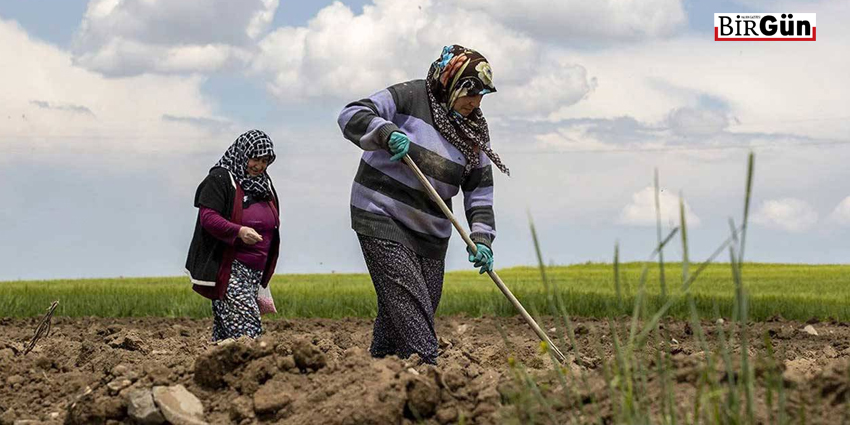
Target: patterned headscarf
[
  {"x": 456, "y": 73},
  {"x": 251, "y": 144}
]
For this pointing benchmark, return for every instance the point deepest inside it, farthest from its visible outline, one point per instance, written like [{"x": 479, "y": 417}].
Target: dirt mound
[{"x": 93, "y": 371}]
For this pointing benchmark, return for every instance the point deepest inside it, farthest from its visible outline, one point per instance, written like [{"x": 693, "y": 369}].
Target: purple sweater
[
  {"x": 387, "y": 201},
  {"x": 259, "y": 216}
]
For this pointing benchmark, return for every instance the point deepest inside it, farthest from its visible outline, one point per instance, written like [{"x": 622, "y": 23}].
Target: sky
[{"x": 113, "y": 111}]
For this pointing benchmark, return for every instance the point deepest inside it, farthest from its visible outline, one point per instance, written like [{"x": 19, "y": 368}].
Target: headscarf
[
  {"x": 251, "y": 144},
  {"x": 456, "y": 73}
]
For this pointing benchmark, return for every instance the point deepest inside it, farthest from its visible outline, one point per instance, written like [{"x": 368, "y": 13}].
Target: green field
[{"x": 794, "y": 291}]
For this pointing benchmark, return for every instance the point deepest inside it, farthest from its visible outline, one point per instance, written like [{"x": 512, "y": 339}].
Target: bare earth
[{"x": 308, "y": 371}]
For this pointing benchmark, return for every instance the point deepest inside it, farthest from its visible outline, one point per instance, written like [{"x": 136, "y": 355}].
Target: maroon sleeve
[{"x": 219, "y": 226}]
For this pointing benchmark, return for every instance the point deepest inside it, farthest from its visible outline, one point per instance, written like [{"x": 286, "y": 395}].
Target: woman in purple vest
[
  {"x": 236, "y": 243},
  {"x": 403, "y": 234}
]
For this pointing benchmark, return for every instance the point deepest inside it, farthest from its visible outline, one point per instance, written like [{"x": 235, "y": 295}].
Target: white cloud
[
  {"x": 841, "y": 213},
  {"x": 52, "y": 106},
  {"x": 344, "y": 55},
  {"x": 641, "y": 210},
  {"x": 563, "y": 21},
  {"x": 788, "y": 214},
  {"x": 687, "y": 121},
  {"x": 760, "y": 91},
  {"x": 132, "y": 37}
]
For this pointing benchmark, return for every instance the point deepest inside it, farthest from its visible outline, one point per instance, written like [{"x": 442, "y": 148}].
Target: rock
[
  {"x": 14, "y": 380},
  {"x": 28, "y": 422},
  {"x": 141, "y": 408},
  {"x": 117, "y": 385},
  {"x": 271, "y": 397},
  {"x": 308, "y": 357},
  {"x": 462, "y": 329},
  {"x": 178, "y": 405},
  {"x": 809, "y": 329}
]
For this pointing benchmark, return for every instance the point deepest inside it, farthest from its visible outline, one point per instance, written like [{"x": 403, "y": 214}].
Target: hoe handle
[{"x": 496, "y": 279}]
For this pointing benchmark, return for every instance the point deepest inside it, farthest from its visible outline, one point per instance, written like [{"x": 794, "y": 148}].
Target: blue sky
[{"x": 115, "y": 109}]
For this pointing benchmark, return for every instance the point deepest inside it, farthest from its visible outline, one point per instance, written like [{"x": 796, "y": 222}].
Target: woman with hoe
[{"x": 403, "y": 234}]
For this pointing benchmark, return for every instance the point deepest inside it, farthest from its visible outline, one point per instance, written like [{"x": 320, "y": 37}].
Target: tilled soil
[{"x": 316, "y": 371}]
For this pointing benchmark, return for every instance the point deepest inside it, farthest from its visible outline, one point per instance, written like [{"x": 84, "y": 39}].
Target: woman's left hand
[
  {"x": 399, "y": 144},
  {"x": 483, "y": 258}
]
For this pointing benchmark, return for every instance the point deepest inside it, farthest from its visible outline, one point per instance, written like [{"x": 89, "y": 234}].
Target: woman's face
[
  {"x": 256, "y": 166},
  {"x": 466, "y": 104}
]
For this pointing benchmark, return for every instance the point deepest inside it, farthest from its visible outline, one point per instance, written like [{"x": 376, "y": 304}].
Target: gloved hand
[
  {"x": 483, "y": 258},
  {"x": 399, "y": 145}
]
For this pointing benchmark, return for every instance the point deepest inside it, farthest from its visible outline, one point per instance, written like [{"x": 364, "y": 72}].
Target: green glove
[
  {"x": 483, "y": 258},
  {"x": 399, "y": 145}
]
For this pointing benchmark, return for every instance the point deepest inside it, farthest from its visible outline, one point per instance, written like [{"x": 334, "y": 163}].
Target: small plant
[{"x": 637, "y": 382}]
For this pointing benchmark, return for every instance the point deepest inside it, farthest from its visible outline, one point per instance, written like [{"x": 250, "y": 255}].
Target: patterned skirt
[
  {"x": 237, "y": 314},
  {"x": 409, "y": 288}
]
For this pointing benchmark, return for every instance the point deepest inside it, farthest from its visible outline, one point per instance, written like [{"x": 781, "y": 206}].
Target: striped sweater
[{"x": 387, "y": 201}]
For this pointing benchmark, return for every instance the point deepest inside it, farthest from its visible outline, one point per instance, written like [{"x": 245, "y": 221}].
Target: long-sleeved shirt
[
  {"x": 259, "y": 216},
  {"x": 387, "y": 200}
]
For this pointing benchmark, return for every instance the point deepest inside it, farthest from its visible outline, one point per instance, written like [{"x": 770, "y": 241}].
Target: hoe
[{"x": 496, "y": 279}]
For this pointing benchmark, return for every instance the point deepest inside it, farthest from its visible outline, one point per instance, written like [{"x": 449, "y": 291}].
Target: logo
[{"x": 765, "y": 27}]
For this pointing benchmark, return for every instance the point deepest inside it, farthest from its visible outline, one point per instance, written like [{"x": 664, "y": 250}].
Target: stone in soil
[
  {"x": 178, "y": 405},
  {"x": 142, "y": 409}
]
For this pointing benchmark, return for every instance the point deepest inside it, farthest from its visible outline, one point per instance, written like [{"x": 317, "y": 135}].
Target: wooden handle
[{"x": 496, "y": 279}]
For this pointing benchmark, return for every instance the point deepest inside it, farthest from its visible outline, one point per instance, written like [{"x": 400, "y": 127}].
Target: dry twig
[{"x": 43, "y": 328}]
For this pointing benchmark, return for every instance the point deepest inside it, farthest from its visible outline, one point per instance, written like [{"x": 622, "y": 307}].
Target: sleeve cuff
[
  {"x": 483, "y": 239},
  {"x": 384, "y": 132}
]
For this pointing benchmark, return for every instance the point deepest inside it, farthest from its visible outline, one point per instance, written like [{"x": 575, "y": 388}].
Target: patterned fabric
[
  {"x": 250, "y": 145},
  {"x": 460, "y": 72},
  {"x": 409, "y": 287},
  {"x": 237, "y": 314}
]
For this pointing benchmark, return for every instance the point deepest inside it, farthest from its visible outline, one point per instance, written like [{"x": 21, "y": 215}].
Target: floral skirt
[
  {"x": 237, "y": 314},
  {"x": 409, "y": 288}
]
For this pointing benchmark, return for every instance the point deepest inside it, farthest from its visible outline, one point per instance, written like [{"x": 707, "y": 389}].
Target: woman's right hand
[{"x": 249, "y": 236}]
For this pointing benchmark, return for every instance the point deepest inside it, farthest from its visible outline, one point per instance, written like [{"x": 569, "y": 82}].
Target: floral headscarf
[
  {"x": 456, "y": 73},
  {"x": 251, "y": 144}
]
